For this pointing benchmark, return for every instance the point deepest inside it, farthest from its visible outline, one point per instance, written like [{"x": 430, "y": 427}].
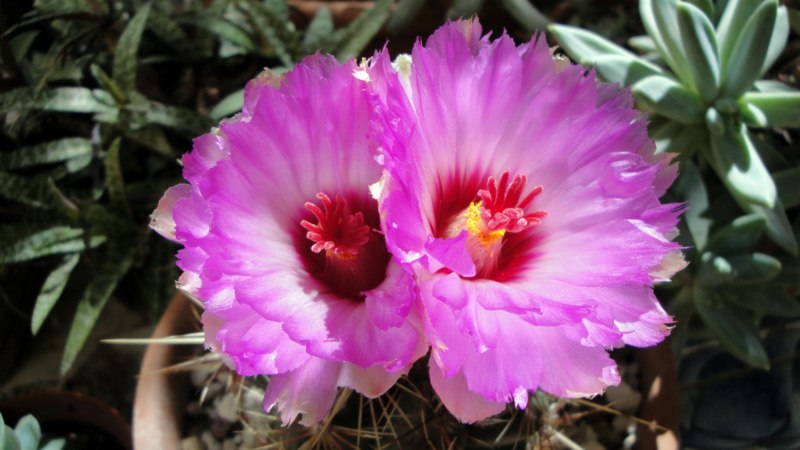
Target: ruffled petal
[{"x": 464, "y": 404}]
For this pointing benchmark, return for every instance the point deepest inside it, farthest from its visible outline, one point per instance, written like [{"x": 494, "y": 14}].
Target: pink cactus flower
[
  {"x": 282, "y": 243},
  {"x": 525, "y": 196}
]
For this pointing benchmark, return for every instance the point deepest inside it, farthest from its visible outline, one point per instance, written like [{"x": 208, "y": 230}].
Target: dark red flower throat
[{"x": 348, "y": 253}]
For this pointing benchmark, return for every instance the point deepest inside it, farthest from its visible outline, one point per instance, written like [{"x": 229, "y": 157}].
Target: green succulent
[
  {"x": 699, "y": 81},
  {"x": 27, "y": 435}
]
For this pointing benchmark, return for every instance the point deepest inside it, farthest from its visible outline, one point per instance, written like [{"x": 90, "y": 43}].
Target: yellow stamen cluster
[{"x": 476, "y": 227}]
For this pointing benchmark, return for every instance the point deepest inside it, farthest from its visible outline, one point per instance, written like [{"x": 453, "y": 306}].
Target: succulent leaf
[
  {"x": 667, "y": 97},
  {"x": 749, "y": 53},
  {"x": 734, "y": 17},
  {"x": 771, "y": 109},
  {"x": 780, "y": 34},
  {"x": 700, "y": 44}
]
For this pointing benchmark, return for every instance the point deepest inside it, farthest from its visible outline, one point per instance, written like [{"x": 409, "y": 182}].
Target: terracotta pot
[
  {"x": 84, "y": 420},
  {"x": 161, "y": 396}
]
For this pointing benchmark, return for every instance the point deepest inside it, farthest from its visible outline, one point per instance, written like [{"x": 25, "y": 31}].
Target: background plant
[{"x": 100, "y": 100}]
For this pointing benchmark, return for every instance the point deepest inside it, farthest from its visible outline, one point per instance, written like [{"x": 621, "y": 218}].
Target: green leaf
[
  {"x": 773, "y": 86},
  {"x": 114, "y": 181},
  {"x": 788, "y": 187},
  {"x": 771, "y": 109},
  {"x": 62, "y": 99},
  {"x": 737, "y": 162},
  {"x": 8, "y": 440},
  {"x": 734, "y": 328},
  {"x": 46, "y": 153},
  {"x": 673, "y": 137},
  {"x": 737, "y": 269},
  {"x": 23, "y": 245},
  {"x": 113, "y": 265},
  {"x": 666, "y": 97},
  {"x": 55, "y": 444},
  {"x": 21, "y": 43},
  {"x": 700, "y": 43},
  {"x": 169, "y": 32},
  {"x": 778, "y": 227},
  {"x": 178, "y": 118},
  {"x": 730, "y": 25},
  {"x": 663, "y": 17},
  {"x": 228, "y": 106},
  {"x": 278, "y": 32},
  {"x": 767, "y": 300},
  {"x": 350, "y": 41},
  {"x": 526, "y": 14},
  {"x": 108, "y": 84},
  {"x": 643, "y": 44},
  {"x": 320, "y": 30},
  {"x": 739, "y": 236},
  {"x": 124, "y": 71},
  {"x": 692, "y": 188},
  {"x": 52, "y": 289},
  {"x": 777, "y": 42},
  {"x": 28, "y": 432},
  {"x": 749, "y": 53},
  {"x": 34, "y": 192},
  {"x": 705, "y": 6},
  {"x": 225, "y": 30},
  {"x": 613, "y": 63}
]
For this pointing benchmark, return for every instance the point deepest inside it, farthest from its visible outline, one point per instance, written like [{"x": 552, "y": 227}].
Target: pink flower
[
  {"x": 526, "y": 198},
  {"x": 282, "y": 243}
]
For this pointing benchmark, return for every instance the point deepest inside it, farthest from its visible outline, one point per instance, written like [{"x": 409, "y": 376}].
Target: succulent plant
[
  {"x": 27, "y": 435},
  {"x": 699, "y": 81}
]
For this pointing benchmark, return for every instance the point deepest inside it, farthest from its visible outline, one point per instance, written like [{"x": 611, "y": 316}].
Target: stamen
[
  {"x": 337, "y": 232},
  {"x": 501, "y": 208}
]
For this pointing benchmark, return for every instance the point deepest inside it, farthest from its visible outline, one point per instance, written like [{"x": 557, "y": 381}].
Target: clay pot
[{"x": 162, "y": 395}]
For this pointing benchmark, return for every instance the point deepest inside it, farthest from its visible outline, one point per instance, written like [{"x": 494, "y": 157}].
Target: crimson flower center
[
  {"x": 346, "y": 253},
  {"x": 503, "y": 207},
  {"x": 338, "y": 232}
]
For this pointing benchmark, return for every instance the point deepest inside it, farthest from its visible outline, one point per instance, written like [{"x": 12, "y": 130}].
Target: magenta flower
[
  {"x": 282, "y": 243},
  {"x": 525, "y": 195}
]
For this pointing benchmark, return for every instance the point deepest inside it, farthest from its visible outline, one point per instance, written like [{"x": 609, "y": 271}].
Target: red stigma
[
  {"x": 337, "y": 231},
  {"x": 501, "y": 207}
]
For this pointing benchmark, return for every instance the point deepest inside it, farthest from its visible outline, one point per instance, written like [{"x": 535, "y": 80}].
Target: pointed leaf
[
  {"x": 320, "y": 30},
  {"x": 34, "y": 192},
  {"x": 643, "y": 44},
  {"x": 169, "y": 32},
  {"x": 277, "y": 30},
  {"x": 8, "y": 440},
  {"x": 705, "y": 6},
  {"x": 112, "y": 266},
  {"x": 692, "y": 188},
  {"x": 733, "y": 327},
  {"x": 51, "y": 290},
  {"x": 352, "y": 40},
  {"x": 225, "y": 30},
  {"x": 23, "y": 245},
  {"x": 665, "y": 15},
  {"x": 668, "y": 98},
  {"x": 737, "y": 162},
  {"x": 730, "y": 25},
  {"x": 124, "y": 71},
  {"x": 28, "y": 433},
  {"x": 62, "y": 99},
  {"x": 700, "y": 44},
  {"x": 778, "y": 227},
  {"x": 614, "y": 64},
  {"x": 739, "y": 236},
  {"x": 46, "y": 153},
  {"x": 749, "y": 53},
  {"x": 771, "y": 109},
  {"x": 737, "y": 269},
  {"x": 178, "y": 118},
  {"x": 653, "y": 30},
  {"x": 113, "y": 181},
  {"x": 780, "y": 34},
  {"x": 228, "y": 106}
]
